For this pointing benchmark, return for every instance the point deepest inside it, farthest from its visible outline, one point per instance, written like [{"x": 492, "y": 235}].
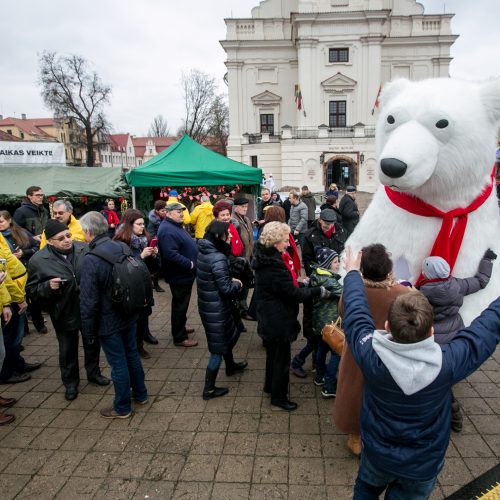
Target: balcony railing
[{"x": 321, "y": 132}]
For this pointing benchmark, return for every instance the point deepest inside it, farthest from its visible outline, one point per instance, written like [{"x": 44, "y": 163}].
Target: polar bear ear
[
  {"x": 490, "y": 96},
  {"x": 392, "y": 89}
]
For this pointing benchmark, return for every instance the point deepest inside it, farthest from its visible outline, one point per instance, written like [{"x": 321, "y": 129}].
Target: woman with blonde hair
[{"x": 278, "y": 296}]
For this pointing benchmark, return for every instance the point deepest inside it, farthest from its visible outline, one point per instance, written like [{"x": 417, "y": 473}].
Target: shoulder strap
[{"x": 112, "y": 259}]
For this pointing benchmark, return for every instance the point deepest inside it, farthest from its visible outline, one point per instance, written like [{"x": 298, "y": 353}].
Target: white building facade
[{"x": 331, "y": 57}]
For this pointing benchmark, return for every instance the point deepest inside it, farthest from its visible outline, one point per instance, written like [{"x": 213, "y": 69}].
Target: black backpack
[{"x": 132, "y": 288}]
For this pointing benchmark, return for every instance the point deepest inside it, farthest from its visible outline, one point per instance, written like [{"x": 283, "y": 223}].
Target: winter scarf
[
  {"x": 287, "y": 260},
  {"x": 111, "y": 216},
  {"x": 450, "y": 236},
  {"x": 138, "y": 242}
]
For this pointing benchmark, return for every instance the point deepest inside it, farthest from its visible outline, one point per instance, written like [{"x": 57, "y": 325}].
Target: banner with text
[{"x": 32, "y": 153}]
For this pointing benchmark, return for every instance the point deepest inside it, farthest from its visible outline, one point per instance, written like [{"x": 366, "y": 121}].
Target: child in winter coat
[
  {"x": 325, "y": 310},
  {"x": 446, "y": 295}
]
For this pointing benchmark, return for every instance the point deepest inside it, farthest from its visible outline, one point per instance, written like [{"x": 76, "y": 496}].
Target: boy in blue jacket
[{"x": 405, "y": 415}]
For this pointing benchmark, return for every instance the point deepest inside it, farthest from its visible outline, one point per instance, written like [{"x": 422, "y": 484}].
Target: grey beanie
[{"x": 435, "y": 268}]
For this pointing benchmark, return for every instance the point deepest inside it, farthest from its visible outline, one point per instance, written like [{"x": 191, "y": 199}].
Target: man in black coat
[
  {"x": 32, "y": 215},
  {"x": 325, "y": 232},
  {"x": 349, "y": 210},
  {"x": 54, "y": 278},
  {"x": 103, "y": 322}
]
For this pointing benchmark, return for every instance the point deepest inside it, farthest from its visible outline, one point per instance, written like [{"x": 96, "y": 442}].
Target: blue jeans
[
  {"x": 214, "y": 362},
  {"x": 13, "y": 333},
  {"x": 126, "y": 368},
  {"x": 329, "y": 371},
  {"x": 371, "y": 482}
]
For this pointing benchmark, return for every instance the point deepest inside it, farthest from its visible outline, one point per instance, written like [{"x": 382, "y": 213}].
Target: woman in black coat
[
  {"x": 278, "y": 295},
  {"x": 216, "y": 290}
]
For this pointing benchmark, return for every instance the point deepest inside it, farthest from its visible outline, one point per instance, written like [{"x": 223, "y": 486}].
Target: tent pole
[{"x": 133, "y": 197}]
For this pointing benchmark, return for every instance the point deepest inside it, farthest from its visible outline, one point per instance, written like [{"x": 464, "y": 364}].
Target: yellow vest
[
  {"x": 74, "y": 228},
  {"x": 16, "y": 272},
  {"x": 201, "y": 217},
  {"x": 186, "y": 219}
]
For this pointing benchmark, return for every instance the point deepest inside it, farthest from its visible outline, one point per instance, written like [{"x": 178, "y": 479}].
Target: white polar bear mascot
[{"x": 436, "y": 142}]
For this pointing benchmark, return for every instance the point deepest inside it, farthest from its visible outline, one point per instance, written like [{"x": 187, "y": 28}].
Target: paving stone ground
[{"x": 179, "y": 446}]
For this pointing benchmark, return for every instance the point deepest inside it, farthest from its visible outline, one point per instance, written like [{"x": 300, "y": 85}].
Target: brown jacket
[
  {"x": 350, "y": 379},
  {"x": 245, "y": 229}
]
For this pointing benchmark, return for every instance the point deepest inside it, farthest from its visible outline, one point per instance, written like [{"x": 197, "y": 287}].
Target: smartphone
[
  {"x": 3, "y": 265},
  {"x": 154, "y": 242},
  {"x": 63, "y": 281}
]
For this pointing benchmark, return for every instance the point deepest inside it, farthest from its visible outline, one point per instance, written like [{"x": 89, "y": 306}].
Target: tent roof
[
  {"x": 187, "y": 163},
  {"x": 63, "y": 181}
]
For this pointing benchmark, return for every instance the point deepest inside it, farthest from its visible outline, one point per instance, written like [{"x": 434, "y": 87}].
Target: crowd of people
[{"x": 95, "y": 277}]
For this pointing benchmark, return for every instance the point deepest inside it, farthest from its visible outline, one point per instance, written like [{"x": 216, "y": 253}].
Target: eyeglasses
[
  {"x": 58, "y": 213},
  {"x": 138, "y": 223},
  {"x": 40, "y": 195},
  {"x": 66, "y": 236}
]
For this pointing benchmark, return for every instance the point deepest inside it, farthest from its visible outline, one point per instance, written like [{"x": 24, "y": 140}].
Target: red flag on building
[
  {"x": 377, "y": 103},
  {"x": 298, "y": 97}
]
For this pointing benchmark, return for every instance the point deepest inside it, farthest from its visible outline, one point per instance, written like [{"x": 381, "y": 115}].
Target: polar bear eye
[
  {"x": 442, "y": 123},
  {"x": 390, "y": 119}
]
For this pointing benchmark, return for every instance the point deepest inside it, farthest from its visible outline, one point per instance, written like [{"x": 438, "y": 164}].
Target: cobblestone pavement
[{"x": 179, "y": 446}]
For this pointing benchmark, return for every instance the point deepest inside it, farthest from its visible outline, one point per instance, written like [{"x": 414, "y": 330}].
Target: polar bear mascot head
[{"x": 436, "y": 142}]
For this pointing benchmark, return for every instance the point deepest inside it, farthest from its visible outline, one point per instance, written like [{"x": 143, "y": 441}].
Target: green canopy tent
[
  {"x": 62, "y": 181},
  {"x": 187, "y": 163}
]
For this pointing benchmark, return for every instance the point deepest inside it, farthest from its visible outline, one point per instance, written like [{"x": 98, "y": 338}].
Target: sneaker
[
  {"x": 319, "y": 381},
  {"x": 43, "y": 330},
  {"x": 143, "y": 402},
  {"x": 111, "y": 413},
  {"x": 298, "y": 371},
  {"x": 328, "y": 393}
]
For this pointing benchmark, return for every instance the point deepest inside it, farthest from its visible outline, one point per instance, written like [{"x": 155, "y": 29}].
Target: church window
[
  {"x": 338, "y": 55},
  {"x": 337, "y": 114}
]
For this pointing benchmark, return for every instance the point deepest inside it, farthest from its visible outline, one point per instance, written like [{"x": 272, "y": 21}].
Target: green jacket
[{"x": 325, "y": 310}]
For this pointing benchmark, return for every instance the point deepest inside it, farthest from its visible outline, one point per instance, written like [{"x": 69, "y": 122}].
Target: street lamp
[
  {"x": 362, "y": 158},
  {"x": 322, "y": 158}
]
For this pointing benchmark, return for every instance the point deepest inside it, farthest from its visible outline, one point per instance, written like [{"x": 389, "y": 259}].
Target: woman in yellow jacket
[
  {"x": 6, "y": 313},
  {"x": 14, "y": 369}
]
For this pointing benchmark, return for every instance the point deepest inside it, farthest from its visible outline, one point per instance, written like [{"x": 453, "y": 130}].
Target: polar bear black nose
[{"x": 393, "y": 168}]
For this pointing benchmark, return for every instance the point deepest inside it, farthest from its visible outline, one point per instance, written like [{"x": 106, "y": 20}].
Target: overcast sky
[{"x": 142, "y": 48}]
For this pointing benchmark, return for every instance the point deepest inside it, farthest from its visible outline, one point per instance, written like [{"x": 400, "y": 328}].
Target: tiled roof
[
  {"x": 4, "y": 136},
  {"x": 119, "y": 142},
  {"x": 161, "y": 143},
  {"x": 30, "y": 125}
]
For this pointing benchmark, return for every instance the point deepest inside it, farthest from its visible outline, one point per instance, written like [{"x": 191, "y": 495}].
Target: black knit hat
[{"x": 53, "y": 227}]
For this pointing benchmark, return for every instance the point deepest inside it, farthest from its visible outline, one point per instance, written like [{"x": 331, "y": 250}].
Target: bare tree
[
  {"x": 219, "y": 122},
  {"x": 199, "y": 90},
  {"x": 159, "y": 127},
  {"x": 71, "y": 90}
]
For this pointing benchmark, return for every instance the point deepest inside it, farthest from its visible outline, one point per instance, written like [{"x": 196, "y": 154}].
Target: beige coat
[{"x": 347, "y": 407}]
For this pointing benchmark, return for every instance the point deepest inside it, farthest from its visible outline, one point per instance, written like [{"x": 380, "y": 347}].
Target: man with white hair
[{"x": 62, "y": 210}]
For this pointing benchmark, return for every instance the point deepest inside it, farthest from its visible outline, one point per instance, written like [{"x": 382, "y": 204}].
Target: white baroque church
[{"x": 304, "y": 77}]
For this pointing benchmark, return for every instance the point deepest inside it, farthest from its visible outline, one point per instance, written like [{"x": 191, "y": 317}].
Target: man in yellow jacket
[
  {"x": 62, "y": 210},
  {"x": 201, "y": 216},
  {"x": 173, "y": 198},
  {"x": 15, "y": 369}
]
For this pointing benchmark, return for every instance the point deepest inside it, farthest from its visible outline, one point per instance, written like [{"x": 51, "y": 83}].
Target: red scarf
[
  {"x": 330, "y": 232},
  {"x": 112, "y": 216},
  {"x": 449, "y": 239},
  {"x": 236, "y": 243},
  {"x": 435, "y": 280},
  {"x": 295, "y": 255},
  {"x": 287, "y": 260}
]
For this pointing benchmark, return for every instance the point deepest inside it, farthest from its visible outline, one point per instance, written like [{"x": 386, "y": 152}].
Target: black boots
[
  {"x": 231, "y": 366},
  {"x": 210, "y": 391}
]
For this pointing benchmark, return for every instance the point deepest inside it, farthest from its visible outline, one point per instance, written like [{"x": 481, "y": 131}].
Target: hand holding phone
[{"x": 154, "y": 242}]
